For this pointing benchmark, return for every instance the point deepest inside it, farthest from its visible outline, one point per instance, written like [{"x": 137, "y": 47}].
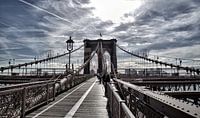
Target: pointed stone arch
[{"x": 107, "y": 45}]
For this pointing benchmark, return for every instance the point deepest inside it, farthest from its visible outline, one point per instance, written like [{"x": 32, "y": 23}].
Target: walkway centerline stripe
[
  {"x": 71, "y": 113},
  {"x": 57, "y": 101}
]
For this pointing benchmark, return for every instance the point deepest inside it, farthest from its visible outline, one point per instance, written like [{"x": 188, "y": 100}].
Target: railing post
[
  {"x": 111, "y": 100},
  {"x": 66, "y": 84},
  {"x": 73, "y": 69},
  {"x": 23, "y": 107},
  {"x": 70, "y": 82},
  {"x": 47, "y": 92},
  {"x": 129, "y": 101},
  {"x": 54, "y": 91},
  {"x": 112, "y": 97},
  {"x": 120, "y": 108},
  {"x": 194, "y": 87},
  {"x": 73, "y": 81}
]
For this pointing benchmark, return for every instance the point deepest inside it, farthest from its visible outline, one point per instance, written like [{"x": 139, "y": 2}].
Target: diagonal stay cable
[
  {"x": 103, "y": 59},
  {"x": 89, "y": 59}
]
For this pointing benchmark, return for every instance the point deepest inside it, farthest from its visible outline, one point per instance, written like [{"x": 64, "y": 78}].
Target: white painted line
[
  {"x": 71, "y": 113},
  {"x": 57, "y": 101}
]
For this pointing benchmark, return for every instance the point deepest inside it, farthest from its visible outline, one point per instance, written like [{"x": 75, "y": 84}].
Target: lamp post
[{"x": 69, "y": 47}]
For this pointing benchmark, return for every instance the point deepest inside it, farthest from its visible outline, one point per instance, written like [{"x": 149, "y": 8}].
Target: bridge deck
[{"x": 85, "y": 100}]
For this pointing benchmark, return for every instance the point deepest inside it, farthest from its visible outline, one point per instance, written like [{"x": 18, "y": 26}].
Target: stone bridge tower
[{"x": 107, "y": 45}]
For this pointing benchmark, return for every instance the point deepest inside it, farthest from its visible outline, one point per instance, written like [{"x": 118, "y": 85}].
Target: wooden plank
[
  {"x": 61, "y": 108},
  {"x": 64, "y": 105},
  {"x": 93, "y": 105}
]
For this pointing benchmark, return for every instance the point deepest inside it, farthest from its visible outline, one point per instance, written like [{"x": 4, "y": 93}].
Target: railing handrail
[
  {"x": 165, "y": 100},
  {"x": 121, "y": 102},
  {"x": 166, "y": 82},
  {"x": 56, "y": 79},
  {"x": 127, "y": 111},
  {"x": 25, "y": 84},
  {"x": 25, "y": 97}
]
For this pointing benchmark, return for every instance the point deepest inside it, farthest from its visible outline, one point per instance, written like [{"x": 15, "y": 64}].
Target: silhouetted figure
[
  {"x": 106, "y": 80},
  {"x": 99, "y": 78}
]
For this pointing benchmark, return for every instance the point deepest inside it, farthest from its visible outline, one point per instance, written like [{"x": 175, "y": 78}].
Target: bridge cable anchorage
[
  {"x": 89, "y": 59},
  {"x": 160, "y": 62},
  {"x": 38, "y": 61}
]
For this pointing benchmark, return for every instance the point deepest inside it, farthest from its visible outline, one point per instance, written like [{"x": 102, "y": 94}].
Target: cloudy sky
[{"x": 163, "y": 27}]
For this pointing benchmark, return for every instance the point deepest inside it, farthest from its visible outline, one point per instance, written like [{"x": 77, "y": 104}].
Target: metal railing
[
  {"x": 146, "y": 103},
  {"x": 117, "y": 106},
  {"x": 18, "y": 100}
]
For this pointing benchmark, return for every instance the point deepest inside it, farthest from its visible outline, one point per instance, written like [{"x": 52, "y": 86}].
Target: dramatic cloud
[
  {"x": 163, "y": 25},
  {"x": 166, "y": 27}
]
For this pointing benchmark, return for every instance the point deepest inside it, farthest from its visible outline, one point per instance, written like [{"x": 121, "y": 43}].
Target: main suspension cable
[
  {"x": 160, "y": 62},
  {"x": 38, "y": 61}
]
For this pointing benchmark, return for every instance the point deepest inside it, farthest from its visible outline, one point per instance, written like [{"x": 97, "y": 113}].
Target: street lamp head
[{"x": 70, "y": 44}]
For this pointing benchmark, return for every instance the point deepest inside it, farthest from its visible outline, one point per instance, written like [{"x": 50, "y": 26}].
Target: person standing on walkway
[
  {"x": 106, "y": 80},
  {"x": 99, "y": 78}
]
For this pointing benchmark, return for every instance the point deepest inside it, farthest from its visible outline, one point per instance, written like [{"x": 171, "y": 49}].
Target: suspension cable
[
  {"x": 103, "y": 59},
  {"x": 38, "y": 61},
  {"x": 89, "y": 59},
  {"x": 160, "y": 62}
]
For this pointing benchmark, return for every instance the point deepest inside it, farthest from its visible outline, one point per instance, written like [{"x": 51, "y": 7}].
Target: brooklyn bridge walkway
[{"x": 86, "y": 100}]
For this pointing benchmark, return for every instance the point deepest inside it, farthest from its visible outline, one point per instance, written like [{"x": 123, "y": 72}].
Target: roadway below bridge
[{"x": 86, "y": 100}]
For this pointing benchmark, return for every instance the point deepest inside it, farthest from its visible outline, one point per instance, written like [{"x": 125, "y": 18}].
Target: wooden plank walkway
[{"x": 83, "y": 101}]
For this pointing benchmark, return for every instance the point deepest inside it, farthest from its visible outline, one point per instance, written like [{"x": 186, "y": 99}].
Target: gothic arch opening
[
  {"x": 107, "y": 46},
  {"x": 94, "y": 64},
  {"x": 107, "y": 59}
]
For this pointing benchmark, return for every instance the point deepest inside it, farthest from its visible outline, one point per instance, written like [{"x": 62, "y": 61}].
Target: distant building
[
  {"x": 130, "y": 71},
  {"x": 155, "y": 72},
  {"x": 146, "y": 72}
]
